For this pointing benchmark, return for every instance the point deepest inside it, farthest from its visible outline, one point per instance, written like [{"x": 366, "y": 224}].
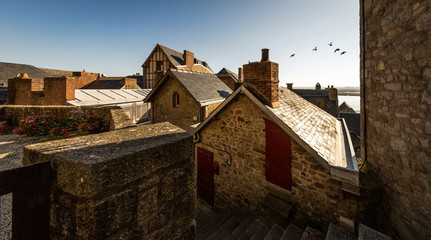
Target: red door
[
  {"x": 278, "y": 154},
  {"x": 206, "y": 175}
]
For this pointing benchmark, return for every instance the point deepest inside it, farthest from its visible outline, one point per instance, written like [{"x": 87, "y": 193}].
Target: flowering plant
[
  {"x": 37, "y": 125},
  {"x": 73, "y": 119},
  {"x": 83, "y": 122},
  {"x": 5, "y": 130}
]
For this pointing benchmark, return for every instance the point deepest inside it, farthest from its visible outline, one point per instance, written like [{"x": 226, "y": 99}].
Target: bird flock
[{"x": 330, "y": 45}]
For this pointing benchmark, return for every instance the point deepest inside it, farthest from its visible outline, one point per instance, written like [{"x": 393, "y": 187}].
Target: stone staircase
[{"x": 271, "y": 221}]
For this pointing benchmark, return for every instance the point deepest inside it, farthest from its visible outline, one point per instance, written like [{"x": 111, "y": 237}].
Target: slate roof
[
  {"x": 353, "y": 121},
  {"x": 204, "y": 88},
  {"x": 177, "y": 59},
  {"x": 111, "y": 82},
  {"x": 313, "y": 125},
  {"x": 10, "y": 70},
  {"x": 313, "y": 128},
  {"x": 227, "y": 72},
  {"x": 344, "y": 107},
  {"x": 319, "y": 98},
  {"x": 93, "y": 97},
  {"x": 105, "y": 84}
]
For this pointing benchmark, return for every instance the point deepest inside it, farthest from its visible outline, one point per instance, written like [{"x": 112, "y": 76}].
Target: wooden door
[
  {"x": 278, "y": 161},
  {"x": 205, "y": 175}
]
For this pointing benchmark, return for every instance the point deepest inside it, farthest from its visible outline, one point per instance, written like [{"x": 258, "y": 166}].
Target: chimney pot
[
  {"x": 289, "y": 86},
  {"x": 265, "y": 55},
  {"x": 24, "y": 75},
  {"x": 240, "y": 74}
]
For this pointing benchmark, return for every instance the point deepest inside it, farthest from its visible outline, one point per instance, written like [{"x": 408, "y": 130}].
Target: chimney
[
  {"x": 240, "y": 75},
  {"x": 332, "y": 93},
  {"x": 265, "y": 55},
  {"x": 129, "y": 83},
  {"x": 137, "y": 74},
  {"x": 188, "y": 58},
  {"x": 264, "y": 77},
  {"x": 318, "y": 87},
  {"x": 289, "y": 86}
]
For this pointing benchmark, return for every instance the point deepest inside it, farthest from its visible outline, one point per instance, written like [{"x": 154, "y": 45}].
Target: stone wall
[
  {"x": 136, "y": 183},
  {"x": 16, "y": 113},
  {"x": 396, "y": 115},
  {"x": 188, "y": 112},
  {"x": 240, "y": 129}
]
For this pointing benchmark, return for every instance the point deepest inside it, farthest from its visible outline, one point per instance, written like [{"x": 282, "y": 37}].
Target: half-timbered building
[{"x": 163, "y": 58}]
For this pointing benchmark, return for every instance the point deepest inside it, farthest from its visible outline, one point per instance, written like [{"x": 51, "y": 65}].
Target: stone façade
[
  {"x": 395, "y": 109},
  {"x": 187, "y": 113},
  {"x": 239, "y": 128}
]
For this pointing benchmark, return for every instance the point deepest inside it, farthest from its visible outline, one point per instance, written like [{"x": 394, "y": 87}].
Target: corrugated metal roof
[{"x": 93, "y": 97}]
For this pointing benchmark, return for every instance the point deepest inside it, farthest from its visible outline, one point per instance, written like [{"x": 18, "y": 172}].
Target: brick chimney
[
  {"x": 129, "y": 83},
  {"x": 332, "y": 93},
  {"x": 240, "y": 75},
  {"x": 19, "y": 90},
  {"x": 263, "y": 76},
  {"x": 189, "y": 58}
]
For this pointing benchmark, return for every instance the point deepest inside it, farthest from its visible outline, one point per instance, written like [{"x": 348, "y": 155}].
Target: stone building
[
  {"x": 162, "y": 58},
  {"x": 228, "y": 77},
  {"x": 264, "y": 139},
  {"x": 396, "y": 109},
  {"x": 186, "y": 98},
  {"x": 326, "y": 99}
]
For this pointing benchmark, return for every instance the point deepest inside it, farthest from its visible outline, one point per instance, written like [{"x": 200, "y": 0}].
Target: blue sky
[{"x": 115, "y": 37}]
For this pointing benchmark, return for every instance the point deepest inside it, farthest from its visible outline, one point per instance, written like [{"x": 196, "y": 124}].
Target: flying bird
[
  {"x": 292, "y": 55},
  {"x": 315, "y": 49},
  {"x": 343, "y": 52},
  {"x": 330, "y": 44},
  {"x": 336, "y": 50}
]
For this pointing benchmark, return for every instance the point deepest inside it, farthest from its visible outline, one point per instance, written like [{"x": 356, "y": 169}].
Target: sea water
[{"x": 353, "y": 101}]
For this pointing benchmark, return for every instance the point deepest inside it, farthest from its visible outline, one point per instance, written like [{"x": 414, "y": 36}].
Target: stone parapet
[{"x": 136, "y": 183}]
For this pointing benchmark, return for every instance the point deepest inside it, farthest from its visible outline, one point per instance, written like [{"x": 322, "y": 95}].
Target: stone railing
[{"x": 136, "y": 183}]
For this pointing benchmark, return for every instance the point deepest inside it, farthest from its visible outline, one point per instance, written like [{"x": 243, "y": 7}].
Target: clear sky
[{"x": 115, "y": 37}]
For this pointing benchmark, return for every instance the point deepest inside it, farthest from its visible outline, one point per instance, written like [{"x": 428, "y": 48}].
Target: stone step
[
  {"x": 367, "y": 233},
  {"x": 275, "y": 233},
  {"x": 260, "y": 233},
  {"x": 292, "y": 233},
  {"x": 312, "y": 234},
  {"x": 338, "y": 233},
  {"x": 245, "y": 224},
  {"x": 212, "y": 225},
  {"x": 255, "y": 225},
  {"x": 277, "y": 205},
  {"x": 225, "y": 230}
]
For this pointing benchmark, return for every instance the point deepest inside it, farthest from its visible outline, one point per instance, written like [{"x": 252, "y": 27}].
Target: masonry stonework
[
  {"x": 240, "y": 129},
  {"x": 60, "y": 89},
  {"x": 396, "y": 115},
  {"x": 136, "y": 183},
  {"x": 186, "y": 114}
]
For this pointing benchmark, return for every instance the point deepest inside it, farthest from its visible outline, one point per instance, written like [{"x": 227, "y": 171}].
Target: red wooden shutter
[
  {"x": 205, "y": 179},
  {"x": 278, "y": 161}
]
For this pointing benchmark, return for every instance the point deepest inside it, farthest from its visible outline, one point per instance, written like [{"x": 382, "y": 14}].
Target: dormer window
[
  {"x": 159, "y": 66},
  {"x": 175, "y": 100}
]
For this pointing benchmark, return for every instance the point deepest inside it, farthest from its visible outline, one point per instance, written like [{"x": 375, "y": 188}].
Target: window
[
  {"x": 175, "y": 100},
  {"x": 159, "y": 66}
]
